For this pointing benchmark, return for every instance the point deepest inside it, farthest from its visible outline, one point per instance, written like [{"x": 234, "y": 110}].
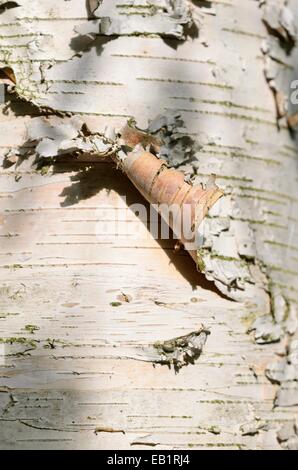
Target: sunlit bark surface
[{"x": 86, "y": 289}]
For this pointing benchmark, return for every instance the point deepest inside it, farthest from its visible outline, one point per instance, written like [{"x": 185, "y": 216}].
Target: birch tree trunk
[{"x": 86, "y": 290}]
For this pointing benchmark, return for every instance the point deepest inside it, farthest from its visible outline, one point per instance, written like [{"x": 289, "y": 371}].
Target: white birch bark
[{"x": 87, "y": 365}]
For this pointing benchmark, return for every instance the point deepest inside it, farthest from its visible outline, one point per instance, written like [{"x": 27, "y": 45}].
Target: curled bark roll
[{"x": 181, "y": 205}]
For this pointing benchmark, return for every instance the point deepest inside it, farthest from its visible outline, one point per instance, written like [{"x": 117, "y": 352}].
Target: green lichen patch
[
  {"x": 31, "y": 328},
  {"x": 200, "y": 262},
  {"x": 18, "y": 346}
]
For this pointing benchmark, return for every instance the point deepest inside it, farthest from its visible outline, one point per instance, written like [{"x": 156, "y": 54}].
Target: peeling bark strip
[
  {"x": 167, "y": 189},
  {"x": 168, "y": 18}
]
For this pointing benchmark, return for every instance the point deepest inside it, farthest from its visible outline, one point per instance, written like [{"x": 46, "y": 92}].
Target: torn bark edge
[
  {"x": 182, "y": 350},
  {"x": 9, "y": 78},
  {"x": 280, "y": 22}
]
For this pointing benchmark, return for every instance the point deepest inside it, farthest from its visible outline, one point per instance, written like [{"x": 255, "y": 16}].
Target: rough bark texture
[{"x": 86, "y": 312}]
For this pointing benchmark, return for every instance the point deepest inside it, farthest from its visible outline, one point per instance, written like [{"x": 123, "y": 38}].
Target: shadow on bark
[{"x": 91, "y": 178}]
